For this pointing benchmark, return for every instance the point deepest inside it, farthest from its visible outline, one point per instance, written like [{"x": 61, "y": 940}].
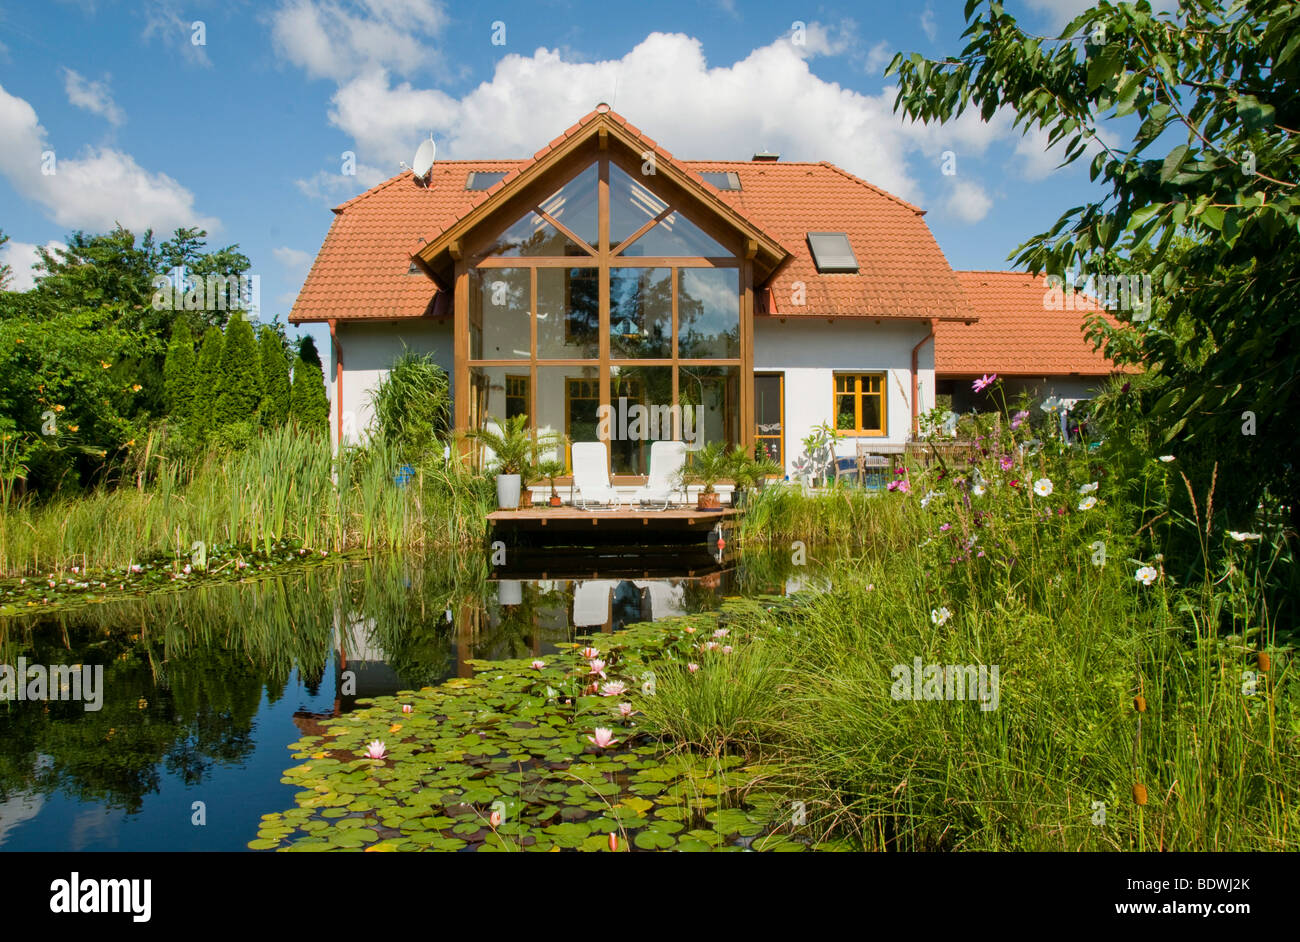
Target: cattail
[
  {"x": 1264, "y": 661},
  {"x": 1140, "y": 703},
  {"x": 1140, "y": 794}
]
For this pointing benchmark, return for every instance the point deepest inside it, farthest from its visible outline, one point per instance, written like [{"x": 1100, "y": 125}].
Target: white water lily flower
[
  {"x": 1146, "y": 575},
  {"x": 1089, "y": 488},
  {"x": 1242, "y": 537},
  {"x": 1043, "y": 487},
  {"x": 1088, "y": 503},
  {"x": 940, "y": 616}
]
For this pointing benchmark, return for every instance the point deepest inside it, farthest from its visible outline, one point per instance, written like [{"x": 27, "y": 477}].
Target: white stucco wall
[
  {"x": 809, "y": 353},
  {"x": 369, "y": 349}
]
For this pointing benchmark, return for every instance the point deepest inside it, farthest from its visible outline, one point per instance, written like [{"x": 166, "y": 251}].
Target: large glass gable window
[{"x": 639, "y": 324}]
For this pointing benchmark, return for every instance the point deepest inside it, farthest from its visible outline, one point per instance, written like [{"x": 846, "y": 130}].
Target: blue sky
[{"x": 244, "y": 133}]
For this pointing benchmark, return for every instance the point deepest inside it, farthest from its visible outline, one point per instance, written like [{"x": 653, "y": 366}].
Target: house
[{"x": 607, "y": 289}]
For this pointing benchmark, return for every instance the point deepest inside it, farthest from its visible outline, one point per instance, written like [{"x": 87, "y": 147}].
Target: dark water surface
[{"x": 203, "y": 690}]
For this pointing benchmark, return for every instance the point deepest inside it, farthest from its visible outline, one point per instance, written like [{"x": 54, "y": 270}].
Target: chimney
[{"x": 766, "y": 156}]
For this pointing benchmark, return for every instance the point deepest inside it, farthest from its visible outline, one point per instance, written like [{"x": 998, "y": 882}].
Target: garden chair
[
  {"x": 592, "y": 490},
  {"x": 666, "y": 462}
]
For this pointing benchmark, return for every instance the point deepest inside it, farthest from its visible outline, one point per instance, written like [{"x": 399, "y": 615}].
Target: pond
[{"x": 203, "y": 690}]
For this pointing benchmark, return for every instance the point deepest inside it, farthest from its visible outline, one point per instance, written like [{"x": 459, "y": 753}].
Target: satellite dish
[{"x": 422, "y": 163}]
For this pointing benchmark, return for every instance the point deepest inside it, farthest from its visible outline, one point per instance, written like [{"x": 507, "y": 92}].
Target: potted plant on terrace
[
  {"x": 550, "y": 470},
  {"x": 515, "y": 450},
  {"x": 749, "y": 473},
  {"x": 707, "y": 466}
]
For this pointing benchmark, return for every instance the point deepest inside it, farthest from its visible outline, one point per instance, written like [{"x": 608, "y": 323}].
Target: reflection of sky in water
[{"x": 204, "y": 690}]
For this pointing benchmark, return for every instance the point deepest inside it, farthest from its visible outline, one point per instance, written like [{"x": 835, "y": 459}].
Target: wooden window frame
[{"x": 858, "y": 395}]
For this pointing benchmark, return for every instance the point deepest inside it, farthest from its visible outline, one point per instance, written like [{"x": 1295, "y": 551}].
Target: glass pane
[
  {"x": 675, "y": 235},
  {"x": 568, "y": 313},
  {"x": 871, "y": 413},
  {"x": 498, "y": 313},
  {"x": 640, "y": 412},
  {"x": 568, "y": 400},
  {"x": 844, "y": 411},
  {"x": 490, "y": 399},
  {"x": 708, "y": 313},
  {"x": 631, "y": 204},
  {"x": 640, "y": 313},
  {"x": 533, "y": 236},
  {"x": 517, "y": 395},
  {"x": 576, "y": 205},
  {"x": 710, "y": 397}
]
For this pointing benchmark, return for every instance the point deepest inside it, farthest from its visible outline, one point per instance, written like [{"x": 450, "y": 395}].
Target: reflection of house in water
[
  {"x": 610, "y": 604},
  {"x": 359, "y": 654}
]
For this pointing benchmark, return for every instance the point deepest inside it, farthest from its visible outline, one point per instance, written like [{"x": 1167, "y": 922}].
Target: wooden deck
[{"x": 626, "y": 524}]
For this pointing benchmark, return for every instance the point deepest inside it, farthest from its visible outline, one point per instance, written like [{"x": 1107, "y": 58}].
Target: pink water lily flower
[
  {"x": 721, "y": 633},
  {"x": 625, "y": 709},
  {"x": 984, "y": 382},
  {"x": 494, "y": 819},
  {"x": 376, "y": 750},
  {"x": 538, "y": 665},
  {"x": 407, "y": 708},
  {"x": 692, "y": 667},
  {"x": 590, "y": 653},
  {"x": 615, "y": 688},
  {"x": 603, "y": 738},
  {"x": 726, "y": 649},
  {"x": 711, "y": 645},
  {"x": 597, "y": 667}
]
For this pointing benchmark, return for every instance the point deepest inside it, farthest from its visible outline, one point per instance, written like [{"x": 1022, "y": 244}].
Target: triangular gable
[{"x": 597, "y": 131}]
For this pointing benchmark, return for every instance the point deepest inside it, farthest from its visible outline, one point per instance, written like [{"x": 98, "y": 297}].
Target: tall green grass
[{"x": 286, "y": 485}]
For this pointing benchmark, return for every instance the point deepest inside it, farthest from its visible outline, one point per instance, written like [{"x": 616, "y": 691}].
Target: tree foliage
[
  {"x": 239, "y": 380},
  {"x": 180, "y": 373},
  {"x": 308, "y": 403},
  {"x": 275, "y": 378}
]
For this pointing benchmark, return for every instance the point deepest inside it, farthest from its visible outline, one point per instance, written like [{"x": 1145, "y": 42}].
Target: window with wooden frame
[
  {"x": 517, "y": 395},
  {"x": 860, "y": 403}
]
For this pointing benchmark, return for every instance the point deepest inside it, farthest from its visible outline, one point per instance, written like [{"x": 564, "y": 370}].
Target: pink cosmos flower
[
  {"x": 1018, "y": 419},
  {"x": 615, "y": 688},
  {"x": 376, "y": 750},
  {"x": 984, "y": 382},
  {"x": 946, "y": 526},
  {"x": 538, "y": 665},
  {"x": 603, "y": 738},
  {"x": 1006, "y": 462}
]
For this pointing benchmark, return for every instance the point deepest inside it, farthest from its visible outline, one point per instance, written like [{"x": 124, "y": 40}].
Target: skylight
[
  {"x": 483, "y": 179},
  {"x": 722, "y": 179},
  {"x": 831, "y": 252}
]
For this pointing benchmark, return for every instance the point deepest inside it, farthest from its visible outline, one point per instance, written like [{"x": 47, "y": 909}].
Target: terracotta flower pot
[
  {"x": 555, "y": 501},
  {"x": 709, "y": 501},
  {"x": 525, "y": 499}
]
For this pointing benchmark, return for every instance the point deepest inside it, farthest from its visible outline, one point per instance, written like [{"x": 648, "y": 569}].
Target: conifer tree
[
  {"x": 275, "y": 378},
  {"x": 239, "y": 380},
  {"x": 205, "y": 391},
  {"x": 180, "y": 373},
  {"x": 307, "y": 401}
]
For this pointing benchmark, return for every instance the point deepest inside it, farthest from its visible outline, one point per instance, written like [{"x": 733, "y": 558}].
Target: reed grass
[{"x": 286, "y": 485}]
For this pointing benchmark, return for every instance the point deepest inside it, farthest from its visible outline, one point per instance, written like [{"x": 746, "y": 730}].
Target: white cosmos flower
[
  {"x": 1088, "y": 503},
  {"x": 978, "y": 490},
  {"x": 1089, "y": 488},
  {"x": 1242, "y": 537},
  {"x": 1043, "y": 487},
  {"x": 940, "y": 615},
  {"x": 1146, "y": 575}
]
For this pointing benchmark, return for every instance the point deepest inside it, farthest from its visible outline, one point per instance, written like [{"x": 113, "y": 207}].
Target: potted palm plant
[
  {"x": 550, "y": 470},
  {"x": 749, "y": 473},
  {"x": 707, "y": 466},
  {"x": 514, "y": 450}
]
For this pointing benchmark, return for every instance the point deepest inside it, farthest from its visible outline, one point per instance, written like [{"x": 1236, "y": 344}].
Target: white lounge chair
[
  {"x": 666, "y": 462},
  {"x": 591, "y": 486}
]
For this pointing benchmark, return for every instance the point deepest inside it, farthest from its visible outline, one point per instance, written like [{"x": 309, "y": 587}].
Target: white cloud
[
  {"x": 293, "y": 259},
  {"x": 20, "y": 257},
  {"x": 823, "y": 40},
  {"x": 928, "y": 25},
  {"x": 968, "y": 202},
  {"x": 771, "y": 99},
  {"x": 92, "y": 96},
  {"x": 1038, "y": 161},
  {"x": 166, "y": 20},
  {"x": 95, "y": 190},
  {"x": 337, "y": 40},
  {"x": 878, "y": 56}
]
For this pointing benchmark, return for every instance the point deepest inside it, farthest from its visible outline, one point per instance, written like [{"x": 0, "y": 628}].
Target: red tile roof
[
  {"x": 1016, "y": 334},
  {"x": 362, "y": 268}
]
